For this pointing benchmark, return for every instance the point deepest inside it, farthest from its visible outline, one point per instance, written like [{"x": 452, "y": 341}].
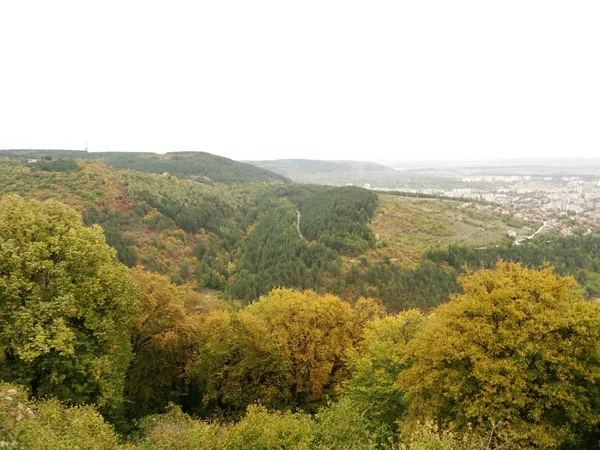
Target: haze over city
[{"x": 326, "y": 80}]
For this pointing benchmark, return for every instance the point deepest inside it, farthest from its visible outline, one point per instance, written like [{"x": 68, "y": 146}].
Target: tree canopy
[
  {"x": 65, "y": 304},
  {"x": 289, "y": 348},
  {"x": 519, "y": 349}
]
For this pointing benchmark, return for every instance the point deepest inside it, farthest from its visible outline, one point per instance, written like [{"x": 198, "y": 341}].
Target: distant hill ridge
[
  {"x": 333, "y": 173},
  {"x": 317, "y": 166},
  {"x": 199, "y": 166}
]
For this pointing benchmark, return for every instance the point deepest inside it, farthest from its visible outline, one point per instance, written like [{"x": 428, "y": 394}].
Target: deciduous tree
[
  {"x": 65, "y": 304},
  {"x": 519, "y": 348},
  {"x": 376, "y": 364},
  {"x": 168, "y": 329},
  {"x": 291, "y": 347}
]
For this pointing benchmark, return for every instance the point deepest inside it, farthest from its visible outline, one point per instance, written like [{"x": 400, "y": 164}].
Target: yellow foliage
[
  {"x": 172, "y": 323},
  {"x": 519, "y": 347},
  {"x": 291, "y": 347}
]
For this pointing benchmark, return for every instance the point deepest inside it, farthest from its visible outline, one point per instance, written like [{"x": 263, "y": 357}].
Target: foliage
[
  {"x": 424, "y": 286},
  {"x": 205, "y": 370},
  {"x": 518, "y": 347},
  {"x": 57, "y": 427},
  {"x": 375, "y": 365},
  {"x": 199, "y": 166},
  {"x": 428, "y": 436},
  {"x": 573, "y": 255},
  {"x": 13, "y": 410},
  {"x": 58, "y": 165},
  {"x": 164, "y": 333},
  {"x": 345, "y": 424},
  {"x": 406, "y": 227},
  {"x": 122, "y": 203},
  {"x": 338, "y": 218},
  {"x": 289, "y": 349},
  {"x": 65, "y": 304},
  {"x": 273, "y": 255},
  {"x": 50, "y": 425},
  {"x": 258, "y": 429},
  {"x": 176, "y": 430},
  {"x": 159, "y": 221},
  {"x": 340, "y": 426},
  {"x": 111, "y": 221},
  {"x": 511, "y": 361},
  {"x": 264, "y": 430}
]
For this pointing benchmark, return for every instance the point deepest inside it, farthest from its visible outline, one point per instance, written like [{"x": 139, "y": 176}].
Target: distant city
[{"x": 562, "y": 197}]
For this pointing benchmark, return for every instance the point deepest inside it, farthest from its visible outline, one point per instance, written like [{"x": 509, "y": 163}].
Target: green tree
[
  {"x": 518, "y": 350},
  {"x": 176, "y": 430},
  {"x": 50, "y": 425},
  {"x": 264, "y": 430},
  {"x": 65, "y": 305},
  {"x": 345, "y": 425},
  {"x": 376, "y": 364},
  {"x": 58, "y": 427}
]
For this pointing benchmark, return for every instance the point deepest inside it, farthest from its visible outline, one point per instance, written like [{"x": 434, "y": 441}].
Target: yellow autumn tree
[
  {"x": 291, "y": 347},
  {"x": 518, "y": 353}
]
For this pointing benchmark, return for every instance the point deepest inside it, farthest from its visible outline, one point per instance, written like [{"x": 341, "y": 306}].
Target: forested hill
[
  {"x": 96, "y": 356},
  {"x": 158, "y": 221},
  {"x": 193, "y": 165},
  {"x": 241, "y": 240},
  {"x": 198, "y": 166}
]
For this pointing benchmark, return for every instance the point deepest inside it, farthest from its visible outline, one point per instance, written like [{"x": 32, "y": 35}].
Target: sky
[{"x": 365, "y": 80}]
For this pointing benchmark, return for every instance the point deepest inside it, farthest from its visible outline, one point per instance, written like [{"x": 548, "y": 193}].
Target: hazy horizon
[{"x": 569, "y": 161}]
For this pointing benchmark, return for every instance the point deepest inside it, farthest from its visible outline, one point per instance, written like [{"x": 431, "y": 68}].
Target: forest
[
  {"x": 199, "y": 166},
  {"x": 147, "y": 311}
]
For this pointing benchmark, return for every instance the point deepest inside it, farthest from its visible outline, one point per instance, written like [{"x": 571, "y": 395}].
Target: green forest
[
  {"x": 188, "y": 302},
  {"x": 199, "y": 166}
]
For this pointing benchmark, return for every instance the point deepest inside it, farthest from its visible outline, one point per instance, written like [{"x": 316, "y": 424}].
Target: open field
[{"x": 405, "y": 227}]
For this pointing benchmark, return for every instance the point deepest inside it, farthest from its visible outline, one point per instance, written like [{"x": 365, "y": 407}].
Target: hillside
[
  {"x": 239, "y": 240},
  {"x": 197, "y": 166},
  {"x": 156, "y": 220},
  {"x": 242, "y": 240},
  {"x": 335, "y": 173},
  {"x": 406, "y": 226}
]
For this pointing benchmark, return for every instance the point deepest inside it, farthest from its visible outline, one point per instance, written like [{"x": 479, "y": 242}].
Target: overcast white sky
[{"x": 368, "y": 80}]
